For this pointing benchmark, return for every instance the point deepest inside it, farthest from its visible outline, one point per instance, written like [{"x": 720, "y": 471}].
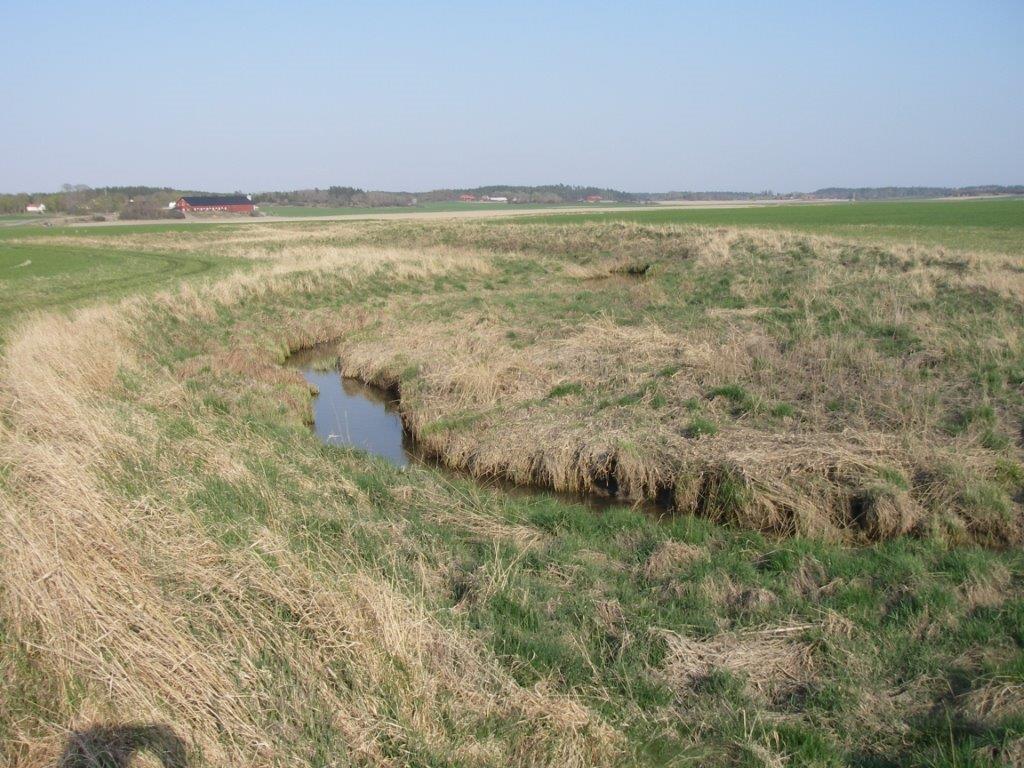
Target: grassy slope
[
  {"x": 411, "y": 615},
  {"x": 963, "y": 225},
  {"x": 39, "y": 274}
]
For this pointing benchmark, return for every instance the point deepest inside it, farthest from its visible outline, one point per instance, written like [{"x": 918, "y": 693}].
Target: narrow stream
[{"x": 348, "y": 412}]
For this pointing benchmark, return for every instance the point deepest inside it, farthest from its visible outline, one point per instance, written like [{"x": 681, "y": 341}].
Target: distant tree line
[
  {"x": 545, "y": 193},
  {"x": 567, "y": 193},
  {"x": 352, "y": 196},
  {"x": 336, "y": 197},
  {"x": 80, "y": 199},
  {"x": 897, "y": 193},
  {"x": 722, "y": 195}
]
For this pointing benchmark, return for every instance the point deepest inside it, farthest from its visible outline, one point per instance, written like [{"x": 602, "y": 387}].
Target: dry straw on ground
[
  {"x": 133, "y": 607},
  {"x": 130, "y": 604}
]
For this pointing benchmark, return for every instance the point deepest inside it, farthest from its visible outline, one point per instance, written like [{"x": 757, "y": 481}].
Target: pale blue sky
[{"x": 645, "y": 96}]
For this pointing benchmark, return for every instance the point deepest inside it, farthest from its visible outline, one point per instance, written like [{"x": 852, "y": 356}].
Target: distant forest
[{"x": 142, "y": 201}]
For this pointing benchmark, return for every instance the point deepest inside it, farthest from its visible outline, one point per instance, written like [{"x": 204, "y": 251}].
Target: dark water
[{"x": 347, "y": 412}]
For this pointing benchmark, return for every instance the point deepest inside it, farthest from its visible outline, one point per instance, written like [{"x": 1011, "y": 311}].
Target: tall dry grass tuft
[
  {"x": 823, "y": 483},
  {"x": 766, "y": 660}
]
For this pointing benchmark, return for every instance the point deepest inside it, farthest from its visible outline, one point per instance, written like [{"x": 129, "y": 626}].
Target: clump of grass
[
  {"x": 453, "y": 423},
  {"x": 740, "y": 399},
  {"x": 566, "y": 388},
  {"x": 699, "y": 427},
  {"x": 325, "y": 364},
  {"x": 982, "y": 420}
]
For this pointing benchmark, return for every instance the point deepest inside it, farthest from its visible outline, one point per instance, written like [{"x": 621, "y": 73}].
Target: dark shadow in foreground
[{"x": 114, "y": 746}]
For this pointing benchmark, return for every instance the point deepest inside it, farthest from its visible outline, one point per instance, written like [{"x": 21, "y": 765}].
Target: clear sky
[{"x": 409, "y": 96}]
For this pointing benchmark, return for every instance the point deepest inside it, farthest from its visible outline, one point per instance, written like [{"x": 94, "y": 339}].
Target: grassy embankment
[{"x": 837, "y": 423}]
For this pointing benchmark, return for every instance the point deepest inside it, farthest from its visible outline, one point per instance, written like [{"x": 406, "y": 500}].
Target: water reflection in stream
[{"x": 348, "y": 412}]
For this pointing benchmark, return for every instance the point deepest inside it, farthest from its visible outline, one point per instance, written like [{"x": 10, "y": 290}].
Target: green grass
[
  {"x": 990, "y": 224},
  {"x": 578, "y": 612},
  {"x": 899, "y": 634},
  {"x": 326, "y": 210},
  {"x": 39, "y": 275}
]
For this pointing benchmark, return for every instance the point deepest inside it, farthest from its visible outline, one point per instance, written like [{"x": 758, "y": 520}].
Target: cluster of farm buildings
[
  {"x": 215, "y": 204},
  {"x": 483, "y": 199},
  {"x": 191, "y": 203}
]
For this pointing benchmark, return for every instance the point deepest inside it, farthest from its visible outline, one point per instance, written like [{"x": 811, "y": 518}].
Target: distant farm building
[
  {"x": 593, "y": 198},
  {"x": 467, "y": 198},
  {"x": 35, "y": 208},
  {"x": 218, "y": 204},
  {"x": 494, "y": 199}
]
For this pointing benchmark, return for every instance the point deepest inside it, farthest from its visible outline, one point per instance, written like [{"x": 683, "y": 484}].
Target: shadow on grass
[{"x": 115, "y": 746}]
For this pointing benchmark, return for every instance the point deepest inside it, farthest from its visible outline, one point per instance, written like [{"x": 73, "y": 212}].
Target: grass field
[
  {"x": 313, "y": 211},
  {"x": 991, "y": 224},
  {"x": 34, "y": 277},
  {"x": 36, "y": 274},
  {"x": 837, "y": 424}
]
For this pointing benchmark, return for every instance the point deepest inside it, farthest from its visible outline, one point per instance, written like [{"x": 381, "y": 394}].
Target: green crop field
[
  {"x": 45, "y": 272},
  {"x": 988, "y": 224}
]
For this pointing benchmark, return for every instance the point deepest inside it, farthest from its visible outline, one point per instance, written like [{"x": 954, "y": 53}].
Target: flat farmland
[
  {"x": 40, "y": 275},
  {"x": 987, "y": 224}
]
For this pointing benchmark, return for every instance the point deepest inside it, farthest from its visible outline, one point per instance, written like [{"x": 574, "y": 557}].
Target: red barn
[
  {"x": 594, "y": 198},
  {"x": 219, "y": 203},
  {"x": 467, "y": 198}
]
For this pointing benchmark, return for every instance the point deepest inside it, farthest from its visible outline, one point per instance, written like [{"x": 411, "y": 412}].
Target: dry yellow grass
[
  {"x": 136, "y": 608},
  {"x": 818, "y": 477},
  {"x": 138, "y": 614},
  {"x": 768, "y": 660}
]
